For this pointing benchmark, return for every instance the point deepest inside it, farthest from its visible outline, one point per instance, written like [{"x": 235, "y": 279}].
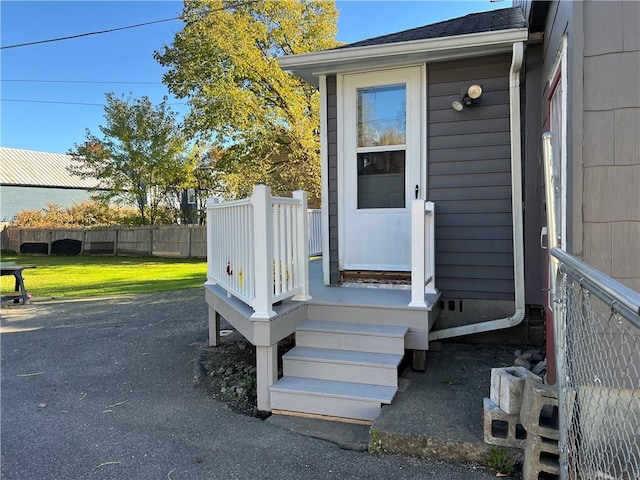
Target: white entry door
[{"x": 381, "y": 167}]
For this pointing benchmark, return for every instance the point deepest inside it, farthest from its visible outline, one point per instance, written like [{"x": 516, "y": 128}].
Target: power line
[
  {"x": 52, "y": 101},
  {"x": 70, "y": 37},
  {"x": 38, "y": 42},
  {"x": 65, "y": 103},
  {"x": 80, "y": 81}
]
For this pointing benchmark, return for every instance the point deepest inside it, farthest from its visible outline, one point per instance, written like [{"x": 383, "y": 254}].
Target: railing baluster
[{"x": 258, "y": 249}]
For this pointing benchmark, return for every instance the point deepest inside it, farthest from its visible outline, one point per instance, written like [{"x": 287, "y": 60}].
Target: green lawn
[{"x": 83, "y": 276}]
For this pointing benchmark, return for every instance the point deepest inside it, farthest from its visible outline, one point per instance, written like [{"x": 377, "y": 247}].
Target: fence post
[
  {"x": 417, "y": 254},
  {"x": 263, "y": 252},
  {"x": 302, "y": 246}
]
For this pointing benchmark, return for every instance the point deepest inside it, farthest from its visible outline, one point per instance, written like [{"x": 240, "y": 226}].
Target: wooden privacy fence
[
  {"x": 183, "y": 241},
  {"x": 180, "y": 241}
]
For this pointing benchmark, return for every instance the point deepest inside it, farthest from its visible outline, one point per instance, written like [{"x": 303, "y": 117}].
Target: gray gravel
[{"x": 103, "y": 388}]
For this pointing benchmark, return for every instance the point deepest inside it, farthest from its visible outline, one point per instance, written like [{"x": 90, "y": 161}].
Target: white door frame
[{"x": 415, "y": 77}]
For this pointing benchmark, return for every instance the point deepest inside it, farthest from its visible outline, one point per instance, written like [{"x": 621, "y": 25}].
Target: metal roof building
[
  {"x": 42, "y": 169},
  {"x": 30, "y": 180}
]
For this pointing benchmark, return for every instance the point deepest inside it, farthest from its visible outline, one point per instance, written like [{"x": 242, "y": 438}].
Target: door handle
[{"x": 417, "y": 190}]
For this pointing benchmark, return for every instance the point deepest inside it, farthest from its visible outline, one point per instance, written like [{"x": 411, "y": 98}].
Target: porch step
[
  {"x": 344, "y": 365},
  {"x": 329, "y": 397},
  {"x": 358, "y": 337},
  {"x": 340, "y": 369}
]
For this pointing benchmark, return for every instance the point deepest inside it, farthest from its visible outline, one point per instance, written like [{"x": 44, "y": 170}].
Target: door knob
[{"x": 417, "y": 190}]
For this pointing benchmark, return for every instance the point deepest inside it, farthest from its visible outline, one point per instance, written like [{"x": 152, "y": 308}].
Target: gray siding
[
  {"x": 332, "y": 152},
  {"x": 469, "y": 179},
  {"x": 603, "y": 127},
  {"x": 610, "y": 157}
]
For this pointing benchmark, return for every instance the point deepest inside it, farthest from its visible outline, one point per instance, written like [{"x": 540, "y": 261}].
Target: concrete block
[
  {"x": 500, "y": 428},
  {"x": 539, "y": 410},
  {"x": 494, "y": 393},
  {"x": 507, "y": 385},
  {"x": 541, "y": 458},
  {"x": 511, "y": 388}
]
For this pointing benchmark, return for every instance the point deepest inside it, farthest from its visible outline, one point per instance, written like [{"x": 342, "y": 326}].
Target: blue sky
[{"x": 73, "y": 76}]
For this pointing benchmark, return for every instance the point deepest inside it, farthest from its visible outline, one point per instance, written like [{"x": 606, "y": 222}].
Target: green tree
[
  {"x": 265, "y": 120},
  {"x": 140, "y": 158}
]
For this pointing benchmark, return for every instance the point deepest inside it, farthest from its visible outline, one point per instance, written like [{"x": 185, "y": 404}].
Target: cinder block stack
[
  {"x": 539, "y": 416},
  {"x": 522, "y": 412},
  {"x": 502, "y": 423}
]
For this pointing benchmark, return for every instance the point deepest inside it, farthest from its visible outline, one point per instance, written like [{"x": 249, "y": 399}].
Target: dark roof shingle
[{"x": 504, "y": 19}]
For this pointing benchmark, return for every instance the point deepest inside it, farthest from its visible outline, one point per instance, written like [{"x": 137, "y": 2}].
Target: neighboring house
[
  {"x": 30, "y": 180},
  {"x": 583, "y": 85},
  {"x": 432, "y": 176}
]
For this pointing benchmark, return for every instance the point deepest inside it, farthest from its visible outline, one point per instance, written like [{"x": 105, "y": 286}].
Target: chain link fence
[{"x": 597, "y": 331}]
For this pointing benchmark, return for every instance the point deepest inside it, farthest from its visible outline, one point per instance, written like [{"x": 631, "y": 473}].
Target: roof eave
[{"x": 311, "y": 65}]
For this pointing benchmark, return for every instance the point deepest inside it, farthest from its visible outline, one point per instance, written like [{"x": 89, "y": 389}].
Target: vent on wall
[{"x": 450, "y": 305}]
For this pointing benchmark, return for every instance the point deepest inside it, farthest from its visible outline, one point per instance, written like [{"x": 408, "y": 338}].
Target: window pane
[
  {"x": 381, "y": 180},
  {"x": 381, "y": 115}
]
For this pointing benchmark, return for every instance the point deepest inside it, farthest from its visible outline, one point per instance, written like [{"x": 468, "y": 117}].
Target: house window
[{"x": 381, "y": 144}]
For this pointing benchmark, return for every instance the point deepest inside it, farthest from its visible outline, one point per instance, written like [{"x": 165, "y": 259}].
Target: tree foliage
[
  {"x": 83, "y": 214},
  {"x": 140, "y": 158},
  {"x": 265, "y": 120}
]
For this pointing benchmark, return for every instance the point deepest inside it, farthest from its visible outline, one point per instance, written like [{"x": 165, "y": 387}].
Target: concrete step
[
  {"x": 342, "y": 365},
  {"x": 358, "y": 337},
  {"x": 330, "y": 398}
]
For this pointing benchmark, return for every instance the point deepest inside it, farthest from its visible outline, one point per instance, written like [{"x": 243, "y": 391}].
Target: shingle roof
[
  {"x": 504, "y": 19},
  {"x": 26, "y": 167}
]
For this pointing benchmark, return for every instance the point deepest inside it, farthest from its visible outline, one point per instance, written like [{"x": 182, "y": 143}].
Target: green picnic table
[{"x": 10, "y": 268}]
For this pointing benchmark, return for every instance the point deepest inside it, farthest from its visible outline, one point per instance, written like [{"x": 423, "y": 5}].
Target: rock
[
  {"x": 520, "y": 362},
  {"x": 528, "y": 356},
  {"x": 540, "y": 367},
  {"x": 517, "y": 353}
]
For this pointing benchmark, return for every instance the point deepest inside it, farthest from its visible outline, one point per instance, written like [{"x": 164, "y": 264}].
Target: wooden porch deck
[
  {"x": 337, "y": 322},
  {"x": 360, "y": 296}
]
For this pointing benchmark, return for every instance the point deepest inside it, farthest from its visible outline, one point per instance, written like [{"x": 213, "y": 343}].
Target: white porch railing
[
  {"x": 315, "y": 232},
  {"x": 423, "y": 252},
  {"x": 257, "y": 249}
]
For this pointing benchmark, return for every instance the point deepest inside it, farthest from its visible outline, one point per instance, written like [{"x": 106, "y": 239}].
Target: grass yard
[{"x": 84, "y": 276}]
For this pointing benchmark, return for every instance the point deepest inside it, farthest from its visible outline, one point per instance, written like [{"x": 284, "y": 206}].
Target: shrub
[{"x": 84, "y": 214}]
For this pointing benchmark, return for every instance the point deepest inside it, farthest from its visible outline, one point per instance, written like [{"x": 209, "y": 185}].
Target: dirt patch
[{"x": 229, "y": 371}]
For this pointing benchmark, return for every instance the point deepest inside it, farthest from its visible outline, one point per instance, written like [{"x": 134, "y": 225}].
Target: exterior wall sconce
[{"x": 467, "y": 98}]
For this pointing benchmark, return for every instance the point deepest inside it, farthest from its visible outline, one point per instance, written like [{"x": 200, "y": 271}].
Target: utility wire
[
  {"x": 65, "y": 103},
  {"x": 79, "y": 81},
  {"x": 51, "y": 101},
  {"x": 39, "y": 42}
]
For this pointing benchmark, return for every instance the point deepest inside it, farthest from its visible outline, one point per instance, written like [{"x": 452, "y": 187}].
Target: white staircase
[{"x": 340, "y": 369}]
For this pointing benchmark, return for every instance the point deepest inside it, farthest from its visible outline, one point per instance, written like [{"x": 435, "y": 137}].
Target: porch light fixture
[{"x": 467, "y": 98}]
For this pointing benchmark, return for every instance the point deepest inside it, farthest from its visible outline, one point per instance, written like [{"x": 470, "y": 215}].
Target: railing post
[
  {"x": 210, "y": 245},
  {"x": 302, "y": 246},
  {"x": 263, "y": 252},
  {"x": 430, "y": 230},
  {"x": 418, "y": 253}
]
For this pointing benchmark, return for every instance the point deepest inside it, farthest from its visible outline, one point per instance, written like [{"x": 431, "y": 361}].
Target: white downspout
[{"x": 516, "y": 207}]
